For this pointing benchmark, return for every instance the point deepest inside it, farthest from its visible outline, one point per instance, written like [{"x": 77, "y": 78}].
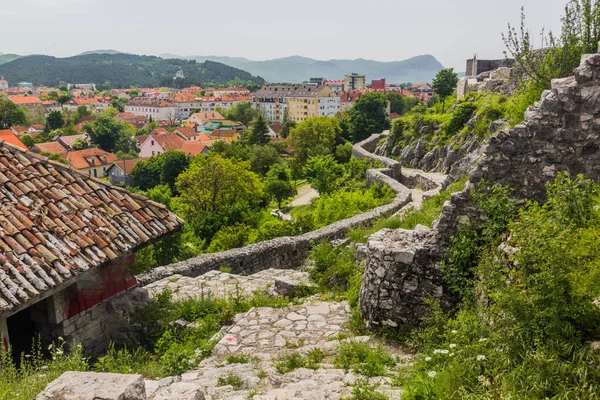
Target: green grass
[
  {"x": 361, "y": 358},
  {"x": 231, "y": 380},
  {"x": 295, "y": 360},
  {"x": 238, "y": 359}
]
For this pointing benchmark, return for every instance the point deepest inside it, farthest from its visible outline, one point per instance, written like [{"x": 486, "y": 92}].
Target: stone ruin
[{"x": 560, "y": 133}]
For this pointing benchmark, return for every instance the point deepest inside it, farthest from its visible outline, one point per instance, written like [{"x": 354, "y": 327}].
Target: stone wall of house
[
  {"x": 560, "y": 133},
  {"x": 291, "y": 252}
]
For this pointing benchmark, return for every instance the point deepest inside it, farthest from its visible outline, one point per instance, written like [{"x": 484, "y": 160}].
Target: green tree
[
  {"x": 35, "y": 115},
  {"x": 259, "y": 132},
  {"x": 396, "y": 102},
  {"x": 27, "y": 140},
  {"x": 10, "y": 114},
  {"x": 313, "y": 137},
  {"x": 54, "y": 121},
  {"x": 262, "y": 158},
  {"x": 243, "y": 112},
  {"x": 280, "y": 190},
  {"x": 444, "y": 84},
  {"x": 63, "y": 97},
  {"x": 216, "y": 192},
  {"x": 287, "y": 128},
  {"x": 322, "y": 173},
  {"x": 173, "y": 164},
  {"x": 111, "y": 134},
  {"x": 83, "y": 111},
  {"x": 146, "y": 173},
  {"x": 79, "y": 144},
  {"x": 368, "y": 116}
]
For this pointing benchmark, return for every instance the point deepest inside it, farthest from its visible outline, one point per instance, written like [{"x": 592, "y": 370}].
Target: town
[{"x": 191, "y": 120}]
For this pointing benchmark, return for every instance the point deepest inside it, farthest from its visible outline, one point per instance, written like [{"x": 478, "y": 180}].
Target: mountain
[
  {"x": 4, "y": 58},
  {"x": 85, "y": 53},
  {"x": 121, "y": 71},
  {"x": 297, "y": 69}
]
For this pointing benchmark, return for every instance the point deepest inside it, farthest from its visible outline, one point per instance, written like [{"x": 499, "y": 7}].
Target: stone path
[
  {"x": 265, "y": 336},
  {"x": 221, "y": 284}
]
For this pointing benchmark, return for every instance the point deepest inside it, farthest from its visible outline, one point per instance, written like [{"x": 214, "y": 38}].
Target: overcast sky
[{"x": 385, "y": 30}]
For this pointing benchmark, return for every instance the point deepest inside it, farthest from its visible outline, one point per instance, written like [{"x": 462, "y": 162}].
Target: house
[
  {"x": 271, "y": 101},
  {"x": 138, "y": 121},
  {"x": 355, "y": 81},
  {"x": 222, "y": 124},
  {"x": 68, "y": 141},
  {"x": 66, "y": 247},
  {"x": 423, "y": 91},
  {"x": 192, "y": 149},
  {"x": 187, "y": 133},
  {"x": 93, "y": 162},
  {"x": 229, "y": 135},
  {"x": 335, "y": 85},
  {"x": 119, "y": 172},
  {"x": 378, "y": 84},
  {"x": 51, "y": 105},
  {"x": 9, "y": 136},
  {"x": 94, "y": 104},
  {"x": 185, "y": 104},
  {"x": 201, "y": 118},
  {"x": 231, "y": 92},
  {"x": 29, "y": 130},
  {"x": 50, "y": 148},
  {"x": 157, "y": 142},
  {"x": 157, "y": 109},
  {"x": 3, "y": 83},
  {"x": 211, "y": 103},
  {"x": 25, "y": 101},
  {"x": 298, "y": 102}
]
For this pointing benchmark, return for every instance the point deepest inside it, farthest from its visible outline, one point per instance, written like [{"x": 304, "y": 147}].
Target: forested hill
[{"x": 120, "y": 71}]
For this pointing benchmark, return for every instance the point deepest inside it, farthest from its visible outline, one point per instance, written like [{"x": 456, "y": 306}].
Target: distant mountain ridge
[
  {"x": 296, "y": 69},
  {"x": 121, "y": 71}
]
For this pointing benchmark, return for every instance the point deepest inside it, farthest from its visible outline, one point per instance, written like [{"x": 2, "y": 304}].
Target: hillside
[
  {"x": 4, "y": 58},
  {"x": 120, "y": 70},
  {"x": 109, "y": 51},
  {"x": 298, "y": 69}
]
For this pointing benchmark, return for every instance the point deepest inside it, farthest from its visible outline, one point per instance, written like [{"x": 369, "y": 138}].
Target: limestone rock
[
  {"x": 94, "y": 386},
  {"x": 179, "y": 391}
]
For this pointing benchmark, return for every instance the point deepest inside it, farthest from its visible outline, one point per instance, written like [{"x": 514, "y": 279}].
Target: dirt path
[{"x": 305, "y": 194}]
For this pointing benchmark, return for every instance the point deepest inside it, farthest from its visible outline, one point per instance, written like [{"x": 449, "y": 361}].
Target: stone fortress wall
[{"x": 561, "y": 132}]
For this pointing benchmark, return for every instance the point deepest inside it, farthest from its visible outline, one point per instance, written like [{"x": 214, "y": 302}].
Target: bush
[
  {"x": 333, "y": 266},
  {"x": 461, "y": 115}
]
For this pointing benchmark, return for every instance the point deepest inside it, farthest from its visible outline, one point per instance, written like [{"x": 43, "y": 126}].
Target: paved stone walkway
[
  {"x": 266, "y": 335},
  {"x": 221, "y": 284}
]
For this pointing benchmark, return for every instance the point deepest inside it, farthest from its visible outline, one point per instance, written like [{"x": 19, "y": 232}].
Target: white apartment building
[
  {"x": 159, "y": 111},
  {"x": 329, "y": 106}
]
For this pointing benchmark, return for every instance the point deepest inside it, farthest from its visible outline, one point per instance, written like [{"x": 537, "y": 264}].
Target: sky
[{"x": 383, "y": 30}]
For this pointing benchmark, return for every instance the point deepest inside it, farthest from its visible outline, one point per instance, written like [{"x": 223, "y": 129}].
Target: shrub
[
  {"x": 461, "y": 115},
  {"x": 231, "y": 380},
  {"x": 333, "y": 266}
]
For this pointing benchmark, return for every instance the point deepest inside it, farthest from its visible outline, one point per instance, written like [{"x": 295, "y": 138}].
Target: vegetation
[
  {"x": 10, "y": 114},
  {"x": 112, "y": 135},
  {"x": 295, "y": 360},
  {"x": 121, "y": 71},
  {"x": 361, "y": 358},
  {"x": 526, "y": 334},
  {"x": 368, "y": 116},
  {"x": 444, "y": 84}
]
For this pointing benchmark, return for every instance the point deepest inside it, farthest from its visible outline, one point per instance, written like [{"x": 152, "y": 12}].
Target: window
[
  {"x": 152, "y": 143},
  {"x": 153, "y": 152},
  {"x": 95, "y": 173}
]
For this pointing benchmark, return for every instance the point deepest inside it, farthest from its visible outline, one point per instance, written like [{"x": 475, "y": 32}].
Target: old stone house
[{"x": 67, "y": 241}]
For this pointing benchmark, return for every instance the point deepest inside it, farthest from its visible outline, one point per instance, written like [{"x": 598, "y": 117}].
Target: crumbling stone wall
[{"x": 560, "y": 133}]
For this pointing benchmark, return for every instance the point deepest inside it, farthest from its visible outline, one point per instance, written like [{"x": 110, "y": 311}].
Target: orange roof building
[
  {"x": 9, "y": 136},
  {"x": 94, "y": 161}
]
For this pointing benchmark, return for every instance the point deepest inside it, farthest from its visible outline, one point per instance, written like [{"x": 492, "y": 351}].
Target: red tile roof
[
  {"x": 192, "y": 148},
  {"x": 58, "y": 223},
  {"x": 168, "y": 141},
  {"x": 127, "y": 165},
  {"x": 24, "y": 100},
  {"x": 90, "y": 158},
  {"x": 187, "y": 132},
  {"x": 9, "y": 136},
  {"x": 50, "y": 147}
]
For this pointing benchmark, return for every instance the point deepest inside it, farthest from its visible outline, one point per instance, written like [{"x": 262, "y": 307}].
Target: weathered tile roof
[{"x": 56, "y": 223}]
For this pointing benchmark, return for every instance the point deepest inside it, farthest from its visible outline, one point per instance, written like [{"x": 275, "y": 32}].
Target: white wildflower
[
  {"x": 453, "y": 331},
  {"x": 482, "y": 340},
  {"x": 480, "y": 357},
  {"x": 452, "y": 345},
  {"x": 451, "y": 355},
  {"x": 444, "y": 351},
  {"x": 484, "y": 381},
  {"x": 436, "y": 351},
  {"x": 431, "y": 374},
  {"x": 42, "y": 375},
  {"x": 59, "y": 352},
  {"x": 427, "y": 358}
]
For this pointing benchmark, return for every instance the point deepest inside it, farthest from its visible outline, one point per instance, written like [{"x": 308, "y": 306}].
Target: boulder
[
  {"x": 95, "y": 386},
  {"x": 179, "y": 391}
]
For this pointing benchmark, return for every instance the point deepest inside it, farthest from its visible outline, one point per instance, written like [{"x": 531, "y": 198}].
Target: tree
[
  {"x": 279, "y": 187},
  {"x": 35, "y": 115},
  {"x": 287, "y": 128},
  {"x": 368, "y": 116},
  {"x": 54, "y": 121},
  {"x": 262, "y": 158},
  {"x": 27, "y": 140},
  {"x": 313, "y": 137},
  {"x": 396, "y": 102},
  {"x": 444, "y": 84},
  {"x": 216, "y": 192},
  {"x": 259, "y": 133},
  {"x": 111, "y": 134},
  {"x": 79, "y": 144},
  {"x": 556, "y": 56},
  {"x": 243, "y": 112},
  {"x": 322, "y": 173},
  {"x": 63, "y": 97},
  {"x": 10, "y": 114},
  {"x": 174, "y": 163},
  {"x": 83, "y": 111}
]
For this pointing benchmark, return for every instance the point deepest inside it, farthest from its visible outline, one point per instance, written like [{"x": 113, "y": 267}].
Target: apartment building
[
  {"x": 354, "y": 81},
  {"x": 298, "y": 102},
  {"x": 158, "y": 110}
]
